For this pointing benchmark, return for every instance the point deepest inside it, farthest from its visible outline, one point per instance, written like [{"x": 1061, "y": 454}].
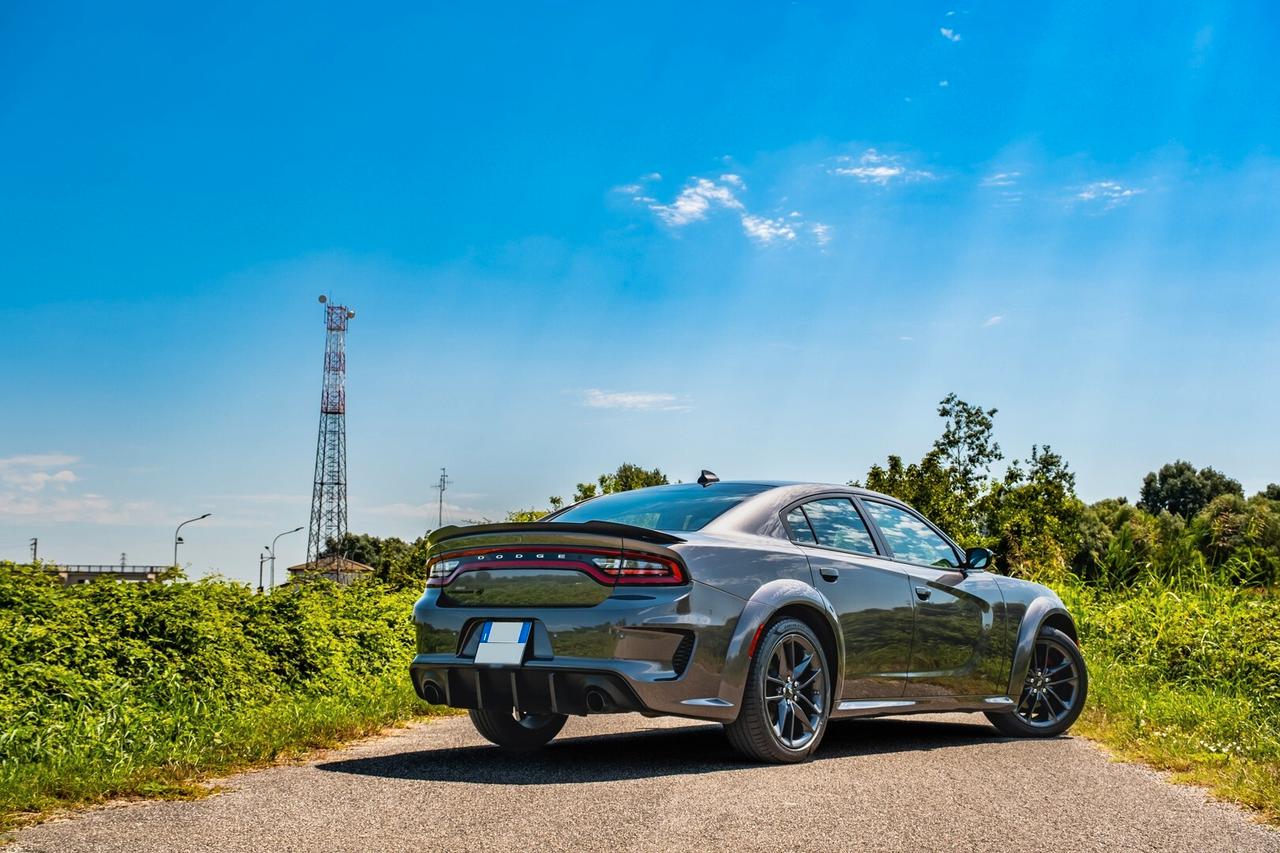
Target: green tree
[
  {"x": 932, "y": 488},
  {"x": 627, "y": 477},
  {"x": 1271, "y": 492},
  {"x": 1179, "y": 488},
  {"x": 948, "y": 483},
  {"x": 1240, "y": 538},
  {"x": 524, "y": 516},
  {"x": 967, "y": 443},
  {"x": 1034, "y": 516},
  {"x": 393, "y": 560}
]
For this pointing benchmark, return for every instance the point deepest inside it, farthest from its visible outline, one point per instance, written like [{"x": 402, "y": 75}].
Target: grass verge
[
  {"x": 1187, "y": 681},
  {"x": 112, "y": 689},
  {"x": 220, "y": 743}
]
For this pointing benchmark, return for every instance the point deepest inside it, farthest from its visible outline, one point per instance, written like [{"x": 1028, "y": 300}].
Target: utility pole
[
  {"x": 441, "y": 486},
  {"x": 35, "y": 550},
  {"x": 262, "y": 559}
]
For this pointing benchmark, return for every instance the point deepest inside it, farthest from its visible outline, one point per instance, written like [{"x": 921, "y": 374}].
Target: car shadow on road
[{"x": 649, "y": 753}]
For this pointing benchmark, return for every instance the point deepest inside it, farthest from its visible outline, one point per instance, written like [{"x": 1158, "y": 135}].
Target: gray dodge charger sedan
[{"x": 772, "y": 608}]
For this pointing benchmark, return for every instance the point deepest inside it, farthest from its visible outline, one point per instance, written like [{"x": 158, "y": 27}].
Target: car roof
[{"x": 800, "y": 485}]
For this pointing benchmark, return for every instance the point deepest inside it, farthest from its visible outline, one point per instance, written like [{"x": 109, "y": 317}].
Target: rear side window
[
  {"x": 798, "y": 527},
  {"x": 837, "y": 524},
  {"x": 910, "y": 539}
]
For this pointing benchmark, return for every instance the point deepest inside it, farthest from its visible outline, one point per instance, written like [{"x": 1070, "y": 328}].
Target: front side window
[
  {"x": 837, "y": 524},
  {"x": 910, "y": 539}
]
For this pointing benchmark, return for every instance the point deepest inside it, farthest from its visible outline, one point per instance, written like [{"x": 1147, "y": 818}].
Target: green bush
[
  {"x": 1186, "y": 677},
  {"x": 112, "y": 688}
]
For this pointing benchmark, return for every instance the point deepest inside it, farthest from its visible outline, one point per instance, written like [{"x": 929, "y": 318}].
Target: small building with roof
[{"x": 333, "y": 567}]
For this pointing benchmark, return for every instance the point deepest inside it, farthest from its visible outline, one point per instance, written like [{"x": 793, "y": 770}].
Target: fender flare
[
  {"x": 1037, "y": 613},
  {"x": 758, "y": 611}
]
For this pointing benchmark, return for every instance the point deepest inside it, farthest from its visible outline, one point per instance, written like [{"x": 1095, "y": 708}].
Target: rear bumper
[
  {"x": 530, "y": 688},
  {"x": 658, "y": 651}
]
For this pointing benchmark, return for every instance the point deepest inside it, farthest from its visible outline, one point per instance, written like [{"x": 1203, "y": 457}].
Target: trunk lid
[{"x": 547, "y": 564}]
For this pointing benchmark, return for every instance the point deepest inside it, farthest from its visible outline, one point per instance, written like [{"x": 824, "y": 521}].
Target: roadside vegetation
[
  {"x": 1174, "y": 596},
  {"x": 115, "y": 689}
]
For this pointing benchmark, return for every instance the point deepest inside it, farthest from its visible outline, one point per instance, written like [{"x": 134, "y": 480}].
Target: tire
[
  {"x": 516, "y": 730},
  {"x": 787, "y": 701},
  {"x": 1054, "y": 693}
]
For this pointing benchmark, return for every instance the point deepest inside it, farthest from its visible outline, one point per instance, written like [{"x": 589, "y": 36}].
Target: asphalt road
[{"x": 624, "y": 782}]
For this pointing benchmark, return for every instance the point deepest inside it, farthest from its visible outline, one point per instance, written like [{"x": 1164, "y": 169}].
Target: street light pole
[
  {"x": 261, "y": 559},
  {"x": 273, "y": 553},
  {"x": 177, "y": 540}
]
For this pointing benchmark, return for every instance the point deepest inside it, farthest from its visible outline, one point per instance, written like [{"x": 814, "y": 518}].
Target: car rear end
[{"x": 572, "y": 618}]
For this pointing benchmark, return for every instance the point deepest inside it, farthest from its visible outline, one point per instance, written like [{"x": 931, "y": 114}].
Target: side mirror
[{"x": 979, "y": 559}]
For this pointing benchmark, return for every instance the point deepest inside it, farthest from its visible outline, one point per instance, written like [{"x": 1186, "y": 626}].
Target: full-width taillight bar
[{"x": 611, "y": 568}]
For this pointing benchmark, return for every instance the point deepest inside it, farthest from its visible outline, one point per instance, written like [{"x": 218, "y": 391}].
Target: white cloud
[
  {"x": 695, "y": 201},
  {"x": 1005, "y": 184},
  {"x": 26, "y": 480},
  {"x": 905, "y": 338},
  {"x": 944, "y": 83},
  {"x": 594, "y": 398},
  {"x": 700, "y": 198},
  {"x": 84, "y": 509},
  {"x": 764, "y": 230},
  {"x": 821, "y": 233},
  {"x": 637, "y": 188},
  {"x": 31, "y": 472},
  {"x": 1001, "y": 179},
  {"x": 995, "y": 320},
  {"x": 876, "y": 168},
  {"x": 1108, "y": 194},
  {"x": 37, "y": 460},
  {"x": 949, "y": 34}
]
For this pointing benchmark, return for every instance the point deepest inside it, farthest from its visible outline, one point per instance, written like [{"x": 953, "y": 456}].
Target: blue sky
[{"x": 764, "y": 239}]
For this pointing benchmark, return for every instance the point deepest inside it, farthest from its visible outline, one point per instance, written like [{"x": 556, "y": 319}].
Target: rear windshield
[{"x": 682, "y": 507}]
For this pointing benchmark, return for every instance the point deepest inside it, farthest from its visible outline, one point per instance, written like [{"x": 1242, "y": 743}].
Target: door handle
[
  {"x": 923, "y": 593},
  {"x": 829, "y": 574}
]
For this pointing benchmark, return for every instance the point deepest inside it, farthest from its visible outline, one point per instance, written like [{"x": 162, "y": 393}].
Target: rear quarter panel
[{"x": 741, "y": 564}]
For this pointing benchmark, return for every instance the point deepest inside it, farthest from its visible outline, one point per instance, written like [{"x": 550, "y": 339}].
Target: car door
[
  {"x": 872, "y": 595},
  {"x": 959, "y": 627}
]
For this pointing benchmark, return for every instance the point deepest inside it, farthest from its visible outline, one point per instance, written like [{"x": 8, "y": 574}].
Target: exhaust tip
[
  {"x": 432, "y": 693},
  {"x": 597, "y": 701}
]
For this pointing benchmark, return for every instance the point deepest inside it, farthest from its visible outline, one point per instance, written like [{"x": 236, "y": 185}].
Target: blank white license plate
[{"x": 503, "y": 642}]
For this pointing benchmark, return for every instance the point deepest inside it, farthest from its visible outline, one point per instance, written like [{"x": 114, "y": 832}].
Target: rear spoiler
[{"x": 603, "y": 528}]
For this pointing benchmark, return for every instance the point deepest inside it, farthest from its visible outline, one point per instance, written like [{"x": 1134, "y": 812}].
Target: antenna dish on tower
[{"x": 323, "y": 299}]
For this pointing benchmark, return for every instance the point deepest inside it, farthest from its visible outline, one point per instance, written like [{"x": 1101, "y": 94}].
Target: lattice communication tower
[{"x": 329, "y": 491}]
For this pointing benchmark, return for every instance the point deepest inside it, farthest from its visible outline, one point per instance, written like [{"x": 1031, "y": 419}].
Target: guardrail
[{"x": 116, "y": 569}]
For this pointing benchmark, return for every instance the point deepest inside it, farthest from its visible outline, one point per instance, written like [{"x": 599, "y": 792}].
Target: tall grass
[
  {"x": 1185, "y": 675},
  {"x": 110, "y": 688}
]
